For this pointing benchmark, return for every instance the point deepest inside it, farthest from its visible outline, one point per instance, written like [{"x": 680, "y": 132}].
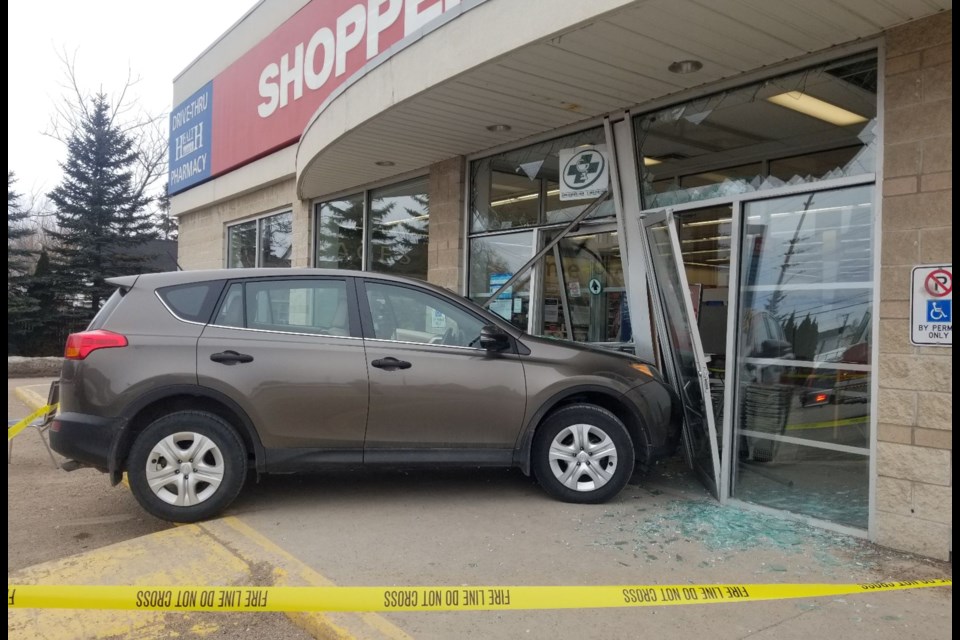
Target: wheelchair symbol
[{"x": 939, "y": 311}]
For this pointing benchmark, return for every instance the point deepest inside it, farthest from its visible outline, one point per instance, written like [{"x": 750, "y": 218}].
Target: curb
[{"x": 32, "y": 399}]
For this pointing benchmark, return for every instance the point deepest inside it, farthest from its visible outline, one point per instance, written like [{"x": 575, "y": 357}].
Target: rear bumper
[{"x": 90, "y": 440}]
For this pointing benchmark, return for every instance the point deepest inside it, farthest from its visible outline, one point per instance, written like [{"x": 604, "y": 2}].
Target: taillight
[{"x": 80, "y": 345}]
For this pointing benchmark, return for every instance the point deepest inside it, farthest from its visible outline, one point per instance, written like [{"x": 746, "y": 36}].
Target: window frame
[
  {"x": 210, "y": 303},
  {"x": 258, "y": 220},
  {"x": 365, "y": 194}
]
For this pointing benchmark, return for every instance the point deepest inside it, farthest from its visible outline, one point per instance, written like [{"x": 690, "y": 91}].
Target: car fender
[
  {"x": 122, "y": 439},
  {"x": 522, "y": 452}
]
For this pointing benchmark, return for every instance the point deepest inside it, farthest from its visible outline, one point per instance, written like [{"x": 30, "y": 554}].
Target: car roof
[
  {"x": 171, "y": 278},
  {"x": 167, "y": 278}
]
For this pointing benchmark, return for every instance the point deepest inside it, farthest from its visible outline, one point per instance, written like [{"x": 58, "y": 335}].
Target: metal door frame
[{"x": 664, "y": 216}]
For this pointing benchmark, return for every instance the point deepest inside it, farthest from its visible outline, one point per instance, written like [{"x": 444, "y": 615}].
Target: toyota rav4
[{"x": 188, "y": 380}]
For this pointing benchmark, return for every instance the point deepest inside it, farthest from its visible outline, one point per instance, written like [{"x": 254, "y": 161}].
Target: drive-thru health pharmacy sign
[{"x": 931, "y": 305}]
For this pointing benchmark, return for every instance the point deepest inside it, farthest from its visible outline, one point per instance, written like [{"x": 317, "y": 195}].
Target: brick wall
[
  {"x": 915, "y": 405},
  {"x": 445, "y": 250}
]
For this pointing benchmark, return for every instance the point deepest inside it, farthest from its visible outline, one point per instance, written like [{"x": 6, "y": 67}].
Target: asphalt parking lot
[{"x": 452, "y": 528}]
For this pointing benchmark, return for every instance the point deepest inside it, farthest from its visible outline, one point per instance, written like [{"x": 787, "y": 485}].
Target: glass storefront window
[
  {"x": 399, "y": 219},
  {"x": 276, "y": 240},
  {"x": 393, "y": 221},
  {"x": 242, "y": 245},
  {"x": 266, "y": 242},
  {"x": 493, "y": 261},
  {"x": 340, "y": 233},
  {"x": 521, "y": 188},
  {"x": 812, "y": 125},
  {"x": 803, "y": 357}
]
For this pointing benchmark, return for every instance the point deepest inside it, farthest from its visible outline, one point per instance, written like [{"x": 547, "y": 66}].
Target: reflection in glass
[
  {"x": 520, "y": 188},
  {"x": 749, "y": 143},
  {"x": 820, "y": 483},
  {"x": 340, "y": 233},
  {"x": 242, "y": 245},
  {"x": 276, "y": 240},
  {"x": 668, "y": 283},
  {"x": 705, "y": 244},
  {"x": 399, "y": 223},
  {"x": 803, "y": 366},
  {"x": 493, "y": 261}
]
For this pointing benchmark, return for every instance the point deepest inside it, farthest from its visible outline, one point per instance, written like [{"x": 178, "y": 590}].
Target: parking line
[
  {"x": 251, "y": 547},
  {"x": 315, "y": 623}
]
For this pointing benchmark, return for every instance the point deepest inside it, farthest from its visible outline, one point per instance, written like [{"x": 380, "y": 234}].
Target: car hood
[{"x": 578, "y": 359}]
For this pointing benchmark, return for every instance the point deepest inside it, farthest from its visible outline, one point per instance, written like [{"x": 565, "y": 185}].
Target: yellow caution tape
[
  {"x": 478, "y": 598},
  {"x": 23, "y": 424}
]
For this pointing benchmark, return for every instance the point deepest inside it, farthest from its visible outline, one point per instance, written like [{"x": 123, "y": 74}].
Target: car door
[
  {"x": 290, "y": 352},
  {"x": 434, "y": 393}
]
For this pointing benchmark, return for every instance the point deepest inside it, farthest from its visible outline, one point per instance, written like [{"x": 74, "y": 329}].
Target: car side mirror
[{"x": 492, "y": 338}]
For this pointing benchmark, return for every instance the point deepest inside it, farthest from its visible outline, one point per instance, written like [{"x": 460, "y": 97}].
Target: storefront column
[
  {"x": 445, "y": 251},
  {"x": 302, "y": 233},
  {"x": 914, "y": 450}
]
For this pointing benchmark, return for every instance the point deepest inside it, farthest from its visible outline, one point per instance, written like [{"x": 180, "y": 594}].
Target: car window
[
  {"x": 301, "y": 306},
  {"x": 112, "y": 302},
  {"x": 192, "y": 302},
  {"x": 231, "y": 311},
  {"x": 411, "y": 315}
]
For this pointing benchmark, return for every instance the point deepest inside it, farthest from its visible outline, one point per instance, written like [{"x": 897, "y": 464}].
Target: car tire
[
  {"x": 583, "y": 453},
  {"x": 200, "y": 486}
]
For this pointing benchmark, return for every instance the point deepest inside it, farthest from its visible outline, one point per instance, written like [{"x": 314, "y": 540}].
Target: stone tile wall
[{"x": 915, "y": 406}]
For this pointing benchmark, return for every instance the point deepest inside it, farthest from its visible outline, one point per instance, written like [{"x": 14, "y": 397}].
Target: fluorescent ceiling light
[
  {"x": 526, "y": 196},
  {"x": 706, "y": 223},
  {"x": 393, "y": 222},
  {"x": 705, "y": 239},
  {"x": 816, "y": 108},
  {"x": 649, "y": 162}
]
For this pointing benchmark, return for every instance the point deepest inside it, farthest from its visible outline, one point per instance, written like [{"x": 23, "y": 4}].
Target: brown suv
[{"x": 186, "y": 380}]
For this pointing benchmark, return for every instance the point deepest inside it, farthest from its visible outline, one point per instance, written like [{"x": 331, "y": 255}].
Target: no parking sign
[{"x": 931, "y": 305}]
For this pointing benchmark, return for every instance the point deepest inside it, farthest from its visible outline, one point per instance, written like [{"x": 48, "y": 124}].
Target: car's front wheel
[
  {"x": 583, "y": 453},
  {"x": 187, "y": 466}
]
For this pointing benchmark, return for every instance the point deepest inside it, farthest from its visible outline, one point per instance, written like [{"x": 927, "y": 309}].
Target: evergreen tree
[
  {"x": 17, "y": 230},
  {"x": 399, "y": 246},
  {"x": 21, "y": 307},
  {"x": 167, "y": 226},
  {"x": 396, "y": 246},
  {"x": 100, "y": 213},
  {"x": 341, "y": 234}
]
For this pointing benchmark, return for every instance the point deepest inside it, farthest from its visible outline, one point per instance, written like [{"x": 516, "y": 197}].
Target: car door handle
[
  {"x": 230, "y": 357},
  {"x": 390, "y": 364}
]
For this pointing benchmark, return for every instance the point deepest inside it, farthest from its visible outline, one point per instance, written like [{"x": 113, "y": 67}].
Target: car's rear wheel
[
  {"x": 187, "y": 466},
  {"x": 583, "y": 453}
]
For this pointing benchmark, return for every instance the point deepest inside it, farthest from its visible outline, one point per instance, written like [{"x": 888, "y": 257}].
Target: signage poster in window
[{"x": 584, "y": 172}]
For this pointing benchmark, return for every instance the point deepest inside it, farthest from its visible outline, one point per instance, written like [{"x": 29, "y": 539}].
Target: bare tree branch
[{"x": 147, "y": 130}]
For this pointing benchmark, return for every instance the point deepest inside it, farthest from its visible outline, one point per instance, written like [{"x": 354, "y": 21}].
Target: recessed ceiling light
[
  {"x": 499, "y": 127},
  {"x": 384, "y": 163},
  {"x": 816, "y": 108},
  {"x": 685, "y": 66},
  {"x": 649, "y": 162}
]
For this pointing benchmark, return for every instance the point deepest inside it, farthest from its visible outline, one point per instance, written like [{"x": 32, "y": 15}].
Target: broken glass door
[{"x": 684, "y": 359}]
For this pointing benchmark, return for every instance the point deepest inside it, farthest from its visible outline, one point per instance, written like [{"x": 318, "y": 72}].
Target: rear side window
[
  {"x": 295, "y": 306},
  {"x": 193, "y": 302},
  {"x": 105, "y": 311}
]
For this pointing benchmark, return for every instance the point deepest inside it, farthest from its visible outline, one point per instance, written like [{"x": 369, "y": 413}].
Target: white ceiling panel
[{"x": 616, "y": 61}]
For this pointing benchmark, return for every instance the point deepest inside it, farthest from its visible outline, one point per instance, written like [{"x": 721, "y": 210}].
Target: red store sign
[{"x": 263, "y": 101}]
